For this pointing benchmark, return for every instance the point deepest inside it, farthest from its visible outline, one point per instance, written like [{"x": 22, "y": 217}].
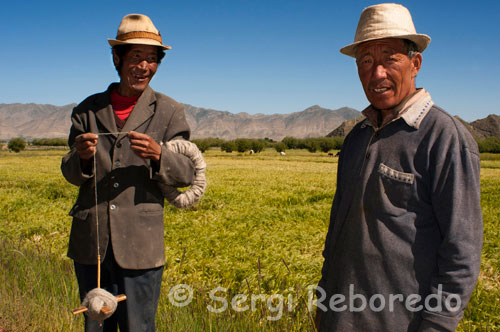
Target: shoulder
[
  {"x": 166, "y": 101},
  {"x": 444, "y": 127},
  {"x": 92, "y": 103}
]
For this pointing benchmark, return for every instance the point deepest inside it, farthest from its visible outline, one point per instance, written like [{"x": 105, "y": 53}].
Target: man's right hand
[{"x": 85, "y": 145}]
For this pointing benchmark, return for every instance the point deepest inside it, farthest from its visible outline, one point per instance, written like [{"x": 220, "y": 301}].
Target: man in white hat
[
  {"x": 117, "y": 142},
  {"x": 404, "y": 243}
]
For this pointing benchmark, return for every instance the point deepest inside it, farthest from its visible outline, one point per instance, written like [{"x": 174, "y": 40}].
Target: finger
[
  {"x": 86, "y": 137},
  {"x": 136, "y": 135},
  {"x": 139, "y": 142}
]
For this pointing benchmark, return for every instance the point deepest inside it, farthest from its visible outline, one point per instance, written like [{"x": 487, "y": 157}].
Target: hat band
[{"x": 139, "y": 34}]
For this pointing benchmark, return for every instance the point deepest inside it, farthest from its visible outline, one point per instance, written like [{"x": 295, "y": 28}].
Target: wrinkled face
[
  {"x": 138, "y": 67},
  {"x": 386, "y": 72}
]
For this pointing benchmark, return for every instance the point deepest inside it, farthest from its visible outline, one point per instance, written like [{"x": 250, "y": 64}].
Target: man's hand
[
  {"x": 144, "y": 146},
  {"x": 85, "y": 145}
]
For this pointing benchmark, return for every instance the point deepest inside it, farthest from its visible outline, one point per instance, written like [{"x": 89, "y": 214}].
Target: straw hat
[
  {"x": 137, "y": 29},
  {"x": 387, "y": 20}
]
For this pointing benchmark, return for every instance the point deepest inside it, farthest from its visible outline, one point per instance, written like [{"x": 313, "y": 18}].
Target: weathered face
[
  {"x": 138, "y": 67},
  {"x": 386, "y": 72}
]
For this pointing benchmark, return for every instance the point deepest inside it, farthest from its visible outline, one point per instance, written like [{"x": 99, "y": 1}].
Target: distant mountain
[
  {"x": 34, "y": 120},
  {"x": 46, "y": 121},
  {"x": 312, "y": 122},
  {"x": 483, "y": 128},
  {"x": 345, "y": 127},
  {"x": 489, "y": 126},
  {"x": 37, "y": 121}
]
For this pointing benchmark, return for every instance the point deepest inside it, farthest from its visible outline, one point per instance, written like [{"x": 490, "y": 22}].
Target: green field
[{"x": 259, "y": 229}]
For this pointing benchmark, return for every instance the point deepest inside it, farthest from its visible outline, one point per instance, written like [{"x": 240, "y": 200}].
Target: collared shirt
[{"x": 413, "y": 110}]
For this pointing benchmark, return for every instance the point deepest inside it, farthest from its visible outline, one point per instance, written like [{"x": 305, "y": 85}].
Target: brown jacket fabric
[{"x": 129, "y": 189}]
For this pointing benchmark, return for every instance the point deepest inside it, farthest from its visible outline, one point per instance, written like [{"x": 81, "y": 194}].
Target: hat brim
[
  {"x": 138, "y": 41},
  {"x": 421, "y": 40}
]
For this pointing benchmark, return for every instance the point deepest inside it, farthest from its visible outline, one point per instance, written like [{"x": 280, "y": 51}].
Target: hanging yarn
[
  {"x": 99, "y": 304},
  {"x": 96, "y": 300},
  {"x": 197, "y": 189}
]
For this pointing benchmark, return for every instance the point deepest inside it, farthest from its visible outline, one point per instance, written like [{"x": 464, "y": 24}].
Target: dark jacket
[
  {"x": 129, "y": 189},
  {"x": 406, "y": 222}
]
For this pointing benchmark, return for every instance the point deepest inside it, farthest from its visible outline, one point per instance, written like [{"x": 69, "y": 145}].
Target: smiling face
[
  {"x": 137, "y": 68},
  {"x": 386, "y": 72}
]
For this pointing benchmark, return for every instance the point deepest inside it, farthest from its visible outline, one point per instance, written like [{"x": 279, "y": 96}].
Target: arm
[
  {"x": 327, "y": 251},
  {"x": 75, "y": 165},
  {"x": 456, "y": 201},
  {"x": 167, "y": 167}
]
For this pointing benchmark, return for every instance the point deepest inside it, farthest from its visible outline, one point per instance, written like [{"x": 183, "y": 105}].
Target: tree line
[{"x": 312, "y": 144}]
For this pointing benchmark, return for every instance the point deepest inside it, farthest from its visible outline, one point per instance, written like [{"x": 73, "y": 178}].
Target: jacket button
[
  {"x": 118, "y": 145},
  {"x": 117, "y": 163},
  {"x": 116, "y": 184},
  {"x": 112, "y": 207}
]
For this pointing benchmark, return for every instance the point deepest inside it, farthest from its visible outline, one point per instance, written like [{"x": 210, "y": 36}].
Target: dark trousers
[{"x": 142, "y": 288}]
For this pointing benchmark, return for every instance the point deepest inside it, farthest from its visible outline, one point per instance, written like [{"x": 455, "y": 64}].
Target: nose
[
  {"x": 379, "y": 72},
  {"x": 143, "y": 64}
]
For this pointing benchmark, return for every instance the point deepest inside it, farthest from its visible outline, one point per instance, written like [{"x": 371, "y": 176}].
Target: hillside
[
  {"x": 36, "y": 121},
  {"x": 482, "y": 128}
]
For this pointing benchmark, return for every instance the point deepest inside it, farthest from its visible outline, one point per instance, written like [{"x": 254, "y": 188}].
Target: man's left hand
[{"x": 144, "y": 146}]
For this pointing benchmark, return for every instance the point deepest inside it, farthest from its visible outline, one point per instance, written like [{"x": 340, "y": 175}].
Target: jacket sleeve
[
  {"x": 174, "y": 168},
  {"x": 455, "y": 190},
  {"x": 327, "y": 251},
  {"x": 71, "y": 165}
]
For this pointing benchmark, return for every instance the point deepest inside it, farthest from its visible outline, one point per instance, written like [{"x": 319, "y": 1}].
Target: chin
[{"x": 382, "y": 105}]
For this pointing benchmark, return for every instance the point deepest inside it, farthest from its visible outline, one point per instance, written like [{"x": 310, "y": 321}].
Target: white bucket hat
[
  {"x": 387, "y": 20},
  {"x": 138, "y": 29}
]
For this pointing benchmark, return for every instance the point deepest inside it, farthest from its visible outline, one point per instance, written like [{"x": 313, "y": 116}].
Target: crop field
[{"x": 259, "y": 230}]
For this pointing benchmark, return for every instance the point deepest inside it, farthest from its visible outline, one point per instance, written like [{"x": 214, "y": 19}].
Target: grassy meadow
[{"x": 259, "y": 229}]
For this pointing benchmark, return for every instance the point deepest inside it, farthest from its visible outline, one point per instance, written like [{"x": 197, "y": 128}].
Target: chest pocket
[{"x": 396, "y": 186}]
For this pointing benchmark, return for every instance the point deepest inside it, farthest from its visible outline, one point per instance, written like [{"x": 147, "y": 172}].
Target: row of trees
[
  {"x": 50, "y": 142},
  {"x": 19, "y": 144},
  {"x": 323, "y": 144},
  {"x": 490, "y": 144}
]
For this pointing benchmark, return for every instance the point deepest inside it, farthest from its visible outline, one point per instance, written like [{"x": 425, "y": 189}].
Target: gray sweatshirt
[{"x": 405, "y": 232}]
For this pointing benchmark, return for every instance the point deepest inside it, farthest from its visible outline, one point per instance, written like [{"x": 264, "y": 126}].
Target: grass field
[{"x": 259, "y": 229}]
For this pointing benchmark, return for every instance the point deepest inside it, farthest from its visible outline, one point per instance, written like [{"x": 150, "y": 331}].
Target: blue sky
[{"x": 245, "y": 56}]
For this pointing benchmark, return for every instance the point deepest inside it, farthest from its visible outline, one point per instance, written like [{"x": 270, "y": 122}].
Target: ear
[
  {"x": 416, "y": 63},
  {"x": 116, "y": 59}
]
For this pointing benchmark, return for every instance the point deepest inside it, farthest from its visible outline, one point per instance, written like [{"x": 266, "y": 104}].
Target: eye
[{"x": 365, "y": 62}]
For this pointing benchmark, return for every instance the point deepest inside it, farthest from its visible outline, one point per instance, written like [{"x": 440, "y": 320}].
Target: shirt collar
[{"x": 412, "y": 110}]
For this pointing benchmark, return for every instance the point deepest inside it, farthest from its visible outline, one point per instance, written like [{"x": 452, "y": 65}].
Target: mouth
[
  {"x": 380, "y": 90},
  {"x": 139, "y": 78}
]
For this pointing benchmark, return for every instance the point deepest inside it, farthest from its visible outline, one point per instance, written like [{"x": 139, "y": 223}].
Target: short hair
[
  {"x": 411, "y": 48},
  {"x": 121, "y": 50}
]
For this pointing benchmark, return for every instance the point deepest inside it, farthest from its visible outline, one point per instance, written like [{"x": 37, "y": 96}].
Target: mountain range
[
  {"x": 48, "y": 121},
  {"x": 482, "y": 128}
]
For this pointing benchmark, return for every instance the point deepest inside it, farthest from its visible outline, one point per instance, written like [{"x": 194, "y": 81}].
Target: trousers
[{"x": 142, "y": 288}]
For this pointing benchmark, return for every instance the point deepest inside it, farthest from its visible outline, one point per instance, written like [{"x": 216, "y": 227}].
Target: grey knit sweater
[{"x": 405, "y": 233}]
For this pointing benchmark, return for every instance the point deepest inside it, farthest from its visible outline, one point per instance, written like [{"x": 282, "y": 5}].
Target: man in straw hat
[
  {"x": 403, "y": 247},
  {"x": 116, "y": 142}
]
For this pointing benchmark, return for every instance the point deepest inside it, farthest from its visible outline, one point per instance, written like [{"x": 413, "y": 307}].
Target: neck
[{"x": 126, "y": 92}]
